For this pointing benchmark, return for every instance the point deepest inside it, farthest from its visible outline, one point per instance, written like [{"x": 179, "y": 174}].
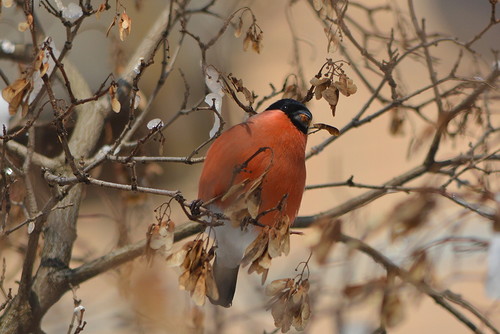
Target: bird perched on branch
[{"x": 254, "y": 174}]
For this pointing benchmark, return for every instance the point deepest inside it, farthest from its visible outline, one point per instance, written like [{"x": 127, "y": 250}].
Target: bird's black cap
[{"x": 296, "y": 111}]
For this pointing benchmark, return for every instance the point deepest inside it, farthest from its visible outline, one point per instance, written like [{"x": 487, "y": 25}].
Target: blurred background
[{"x": 144, "y": 298}]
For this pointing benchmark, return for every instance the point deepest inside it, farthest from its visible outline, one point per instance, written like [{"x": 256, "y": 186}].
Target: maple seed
[{"x": 289, "y": 303}]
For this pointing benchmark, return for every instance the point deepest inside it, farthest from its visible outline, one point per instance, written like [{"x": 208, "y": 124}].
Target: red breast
[{"x": 283, "y": 154}]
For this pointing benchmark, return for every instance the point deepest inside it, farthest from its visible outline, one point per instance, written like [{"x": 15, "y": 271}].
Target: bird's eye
[{"x": 303, "y": 119}]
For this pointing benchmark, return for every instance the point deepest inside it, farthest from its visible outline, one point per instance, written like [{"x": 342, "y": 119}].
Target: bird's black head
[{"x": 297, "y": 112}]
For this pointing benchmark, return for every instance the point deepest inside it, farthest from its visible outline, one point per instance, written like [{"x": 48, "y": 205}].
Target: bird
[{"x": 268, "y": 147}]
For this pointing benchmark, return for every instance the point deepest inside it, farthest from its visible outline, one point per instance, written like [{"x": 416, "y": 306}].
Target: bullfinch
[{"x": 269, "y": 147}]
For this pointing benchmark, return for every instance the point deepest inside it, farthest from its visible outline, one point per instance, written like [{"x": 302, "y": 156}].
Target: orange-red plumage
[
  {"x": 285, "y": 160},
  {"x": 271, "y": 146}
]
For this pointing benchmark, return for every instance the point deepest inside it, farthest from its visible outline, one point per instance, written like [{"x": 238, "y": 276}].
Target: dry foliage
[{"x": 67, "y": 138}]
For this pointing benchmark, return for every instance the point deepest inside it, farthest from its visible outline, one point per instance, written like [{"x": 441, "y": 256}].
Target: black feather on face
[{"x": 297, "y": 112}]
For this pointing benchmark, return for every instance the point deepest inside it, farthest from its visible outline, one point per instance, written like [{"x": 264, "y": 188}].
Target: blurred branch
[{"x": 441, "y": 298}]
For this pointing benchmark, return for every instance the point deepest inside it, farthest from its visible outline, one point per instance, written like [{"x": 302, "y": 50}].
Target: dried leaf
[
  {"x": 44, "y": 68},
  {"x": 274, "y": 246},
  {"x": 256, "y": 248},
  {"x": 183, "y": 279},
  {"x": 392, "y": 312},
  {"x": 15, "y": 92},
  {"x": 329, "y": 232},
  {"x": 331, "y": 129},
  {"x": 211, "y": 286},
  {"x": 278, "y": 285},
  {"x": 115, "y": 105},
  {"x": 331, "y": 95},
  {"x": 200, "y": 291},
  {"x": 239, "y": 27},
  {"x": 101, "y": 9},
  {"x": 410, "y": 214},
  {"x": 125, "y": 26},
  {"x": 235, "y": 189},
  {"x": 177, "y": 258},
  {"x": 247, "y": 41}
]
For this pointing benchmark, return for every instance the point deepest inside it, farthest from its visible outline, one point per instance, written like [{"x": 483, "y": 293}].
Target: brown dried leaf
[
  {"x": 253, "y": 202},
  {"x": 183, "y": 279},
  {"x": 115, "y": 105},
  {"x": 257, "y": 43},
  {"x": 43, "y": 69},
  {"x": 331, "y": 95},
  {"x": 274, "y": 246},
  {"x": 235, "y": 189},
  {"x": 265, "y": 261},
  {"x": 101, "y": 9},
  {"x": 345, "y": 85},
  {"x": 278, "y": 310},
  {"x": 331, "y": 129},
  {"x": 392, "y": 312},
  {"x": 125, "y": 26},
  {"x": 248, "y": 95},
  {"x": 329, "y": 232},
  {"x": 211, "y": 286},
  {"x": 239, "y": 28},
  {"x": 410, "y": 214},
  {"x": 15, "y": 92},
  {"x": 200, "y": 290},
  {"x": 256, "y": 248},
  {"x": 177, "y": 258},
  {"x": 277, "y": 286},
  {"x": 247, "y": 41}
]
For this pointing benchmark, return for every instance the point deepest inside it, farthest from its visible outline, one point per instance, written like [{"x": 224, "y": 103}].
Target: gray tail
[{"x": 225, "y": 279}]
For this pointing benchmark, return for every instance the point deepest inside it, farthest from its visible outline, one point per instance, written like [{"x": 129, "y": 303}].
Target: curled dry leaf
[
  {"x": 125, "y": 26},
  {"x": 101, "y": 9},
  {"x": 331, "y": 129},
  {"x": 161, "y": 236},
  {"x": 345, "y": 85},
  {"x": 289, "y": 303},
  {"x": 320, "y": 85},
  {"x": 15, "y": 93},
  {"x": 325, "y": 234},
  {"x": 272, "y": 241},
  {"x": 239, "y": 28},
  {"x": 115, "y": 104},
  {"x": 331, "y": 95},
  {"x": 254, "y": 38},
  {"x": 410, "y": 214}
]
